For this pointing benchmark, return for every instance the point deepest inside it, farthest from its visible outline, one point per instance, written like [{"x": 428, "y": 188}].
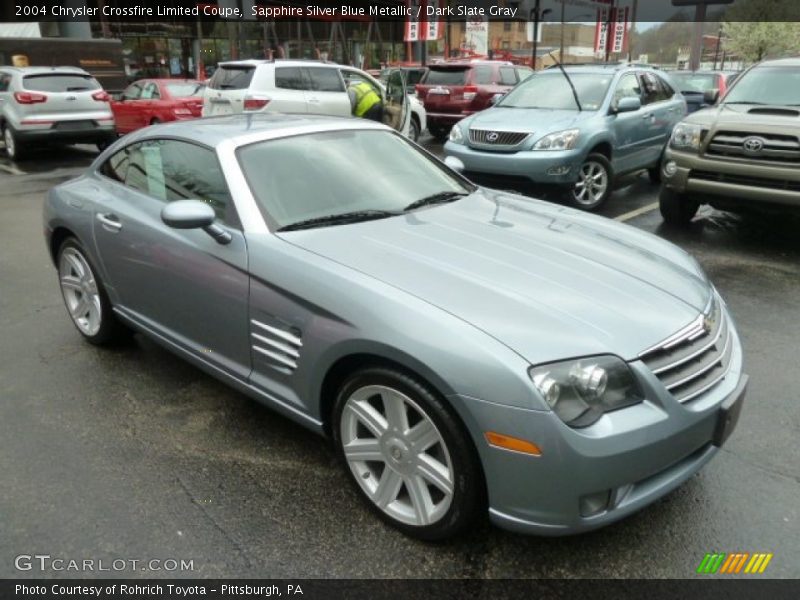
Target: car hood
[
  {"x": 545, "y": 280},
  {"x": 530, "y": 120},
  {"x": 747, "y": 116}
]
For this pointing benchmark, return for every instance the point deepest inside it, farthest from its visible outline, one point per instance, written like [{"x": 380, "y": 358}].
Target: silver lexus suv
[{"x": 52, "y": 104}]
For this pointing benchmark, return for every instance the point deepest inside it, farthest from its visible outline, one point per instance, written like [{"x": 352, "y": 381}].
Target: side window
[
  {"x": 325, "y": 79},
  {"x": 132, "y": 92},
  {"x": 116, "y": 167},
  {"x": 482, "y": 75},
  {"x": 653, "y": 92},
  {"x": 5, "y": 80},
  {"x": 290, "y": 78},
  {"x": 508, "y": 76},
  {"x": 150, "y": 92},
  {"x": 627, "y": 87},
  {"x": 667, "y": 88}
]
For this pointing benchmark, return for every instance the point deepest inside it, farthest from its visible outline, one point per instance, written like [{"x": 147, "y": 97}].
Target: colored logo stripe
[{"x": 733, "y": 563}]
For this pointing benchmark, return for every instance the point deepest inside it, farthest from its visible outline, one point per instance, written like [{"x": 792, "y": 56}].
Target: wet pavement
[{"x": 132, "y": 453}]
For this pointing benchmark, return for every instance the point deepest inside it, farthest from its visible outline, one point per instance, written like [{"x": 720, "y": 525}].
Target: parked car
[
  {"x": 700, "y": 88},
  {"x": 541, "y": 133},
  {"x": 419, "y": 118},
  {"x": 150, "y": 101},
  {"x": 560, "y": 372},
  {"x": 741, "y": 155},
  {"x": 299, "y": 86},
  {"x": 453, "y": 90},
  {"x": 52, "y": 104}
]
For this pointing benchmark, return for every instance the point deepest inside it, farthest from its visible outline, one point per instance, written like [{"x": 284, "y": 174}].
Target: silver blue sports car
[{"x": 468, "y": 351}]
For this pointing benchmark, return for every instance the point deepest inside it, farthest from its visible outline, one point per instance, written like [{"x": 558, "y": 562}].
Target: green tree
[{"x": 757, "y": 29}]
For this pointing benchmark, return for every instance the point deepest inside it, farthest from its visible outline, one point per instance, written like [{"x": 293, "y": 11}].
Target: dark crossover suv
[
  {"x": 742, "y": 154},
  {"x": 454, "y": 90}
]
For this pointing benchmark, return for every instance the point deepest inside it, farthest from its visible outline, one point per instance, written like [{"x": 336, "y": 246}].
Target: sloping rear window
[
  {"x": 184, "y": 90},
  {"x": 232, "y": 77},
  {"x": 59, "y": 82},
  {"x": 446, "y": 76}
]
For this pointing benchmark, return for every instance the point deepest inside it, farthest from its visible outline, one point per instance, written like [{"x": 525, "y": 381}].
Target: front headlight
[
  {"x": 456, "y": 135},
  {"x": 581, "y": 391},
  {"x": 560, "y": 140},
  {"x": 686, "y": 136}
]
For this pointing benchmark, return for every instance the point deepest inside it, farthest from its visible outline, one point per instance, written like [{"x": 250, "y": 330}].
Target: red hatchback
[
  {"x": 454, "y": 90},
  {"x": 150, "y": 101}
]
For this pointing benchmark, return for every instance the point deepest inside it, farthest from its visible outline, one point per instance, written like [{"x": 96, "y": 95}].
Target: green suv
[{"x": 742, "y": 154}]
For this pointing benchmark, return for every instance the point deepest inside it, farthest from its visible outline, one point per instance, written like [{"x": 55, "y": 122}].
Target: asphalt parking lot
[{"x": 132, "y": 453}]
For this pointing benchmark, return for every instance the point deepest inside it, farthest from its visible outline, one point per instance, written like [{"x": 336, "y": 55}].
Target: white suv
[
  {"x": 299, "y": 86},
  {"x": 52, "y": 104}
]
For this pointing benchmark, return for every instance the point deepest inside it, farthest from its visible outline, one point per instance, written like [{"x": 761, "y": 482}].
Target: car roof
[
  {"x": 281, "y": 61},
  {"x": 240, "y": 129},
  {"x": 780, "y": 62},
  {"x": 40, "y": 70}
]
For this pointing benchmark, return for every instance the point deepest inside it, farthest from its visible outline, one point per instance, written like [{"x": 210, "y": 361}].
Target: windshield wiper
[
  {"x": 340, "y": 219},
  {"x": 569, "y": 81},
  {"x": 438, "y": 198},
  {"x": 745, "y": 102}
]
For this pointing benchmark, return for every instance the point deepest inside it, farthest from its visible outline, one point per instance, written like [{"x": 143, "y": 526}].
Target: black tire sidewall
[
  {"x": 676, "y": 208},
  {"x": 468, "y": 494},
  {"x": 17, "y": 153},
  {"x": 415, "y": 129},
  {"x": 602, "y": 160}
]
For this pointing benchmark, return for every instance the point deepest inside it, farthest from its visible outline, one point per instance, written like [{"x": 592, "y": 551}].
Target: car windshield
[
  {"x": 767, "y": 85},
  {"x": 552, "y": 90},
  {"x": 695, "y": 82},
  {"x": 184, "y": 90},
  {"x": 326, "y": 174}
]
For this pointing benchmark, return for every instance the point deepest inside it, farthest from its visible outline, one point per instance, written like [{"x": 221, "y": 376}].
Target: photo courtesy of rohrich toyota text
[{"x": 399, "y": 299}]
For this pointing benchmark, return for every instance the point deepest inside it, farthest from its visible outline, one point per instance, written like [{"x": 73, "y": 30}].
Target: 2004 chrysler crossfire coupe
[{"x": 466, "y": 349}]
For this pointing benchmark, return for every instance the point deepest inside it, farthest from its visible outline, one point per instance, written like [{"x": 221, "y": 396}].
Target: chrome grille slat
[
  {"x": 777, "y": 148},
  {"x": 504, "y": 138},
  {"x": 696, "y": 358}
]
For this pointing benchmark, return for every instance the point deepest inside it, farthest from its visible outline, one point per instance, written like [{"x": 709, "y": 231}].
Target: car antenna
[{"x": 569, "y": 81}]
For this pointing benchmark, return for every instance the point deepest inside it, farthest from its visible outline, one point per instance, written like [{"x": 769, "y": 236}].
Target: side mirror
[
  {"x": 628, "y": 104},
  {"x": 455, "y": 163},
  {"x": 194, "y": 214},
  {"x": 710, "y": 97}
]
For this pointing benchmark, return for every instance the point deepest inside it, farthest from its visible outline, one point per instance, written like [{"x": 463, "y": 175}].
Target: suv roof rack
[{"x": 607, "y": 65}]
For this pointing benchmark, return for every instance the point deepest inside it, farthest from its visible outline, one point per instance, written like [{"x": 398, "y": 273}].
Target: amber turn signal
[{"x": 506, "y": 442}]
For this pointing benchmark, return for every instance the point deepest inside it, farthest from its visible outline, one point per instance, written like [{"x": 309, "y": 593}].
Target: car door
[
  {"x": 291, "y": 86},
  {"x": 396, "y": 110},
  {"x": 630, "y": 128},
  {"x": 148, "y": 105},
  {"x": 327, "y": 95},
  {"x": 180, "y": 284},
  {"x": 125, "y": 108},
  {"x": 5, "y": 84},
  {"x": 658, "y": 117}
]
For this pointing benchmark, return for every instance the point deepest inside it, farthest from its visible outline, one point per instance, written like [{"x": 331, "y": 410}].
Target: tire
[
  {"x": 676, "y": 209},
  {"x": 13, "y": 150},
  {"x": 439, "y": 132},
  {"x": 393, "y": 471},
  {"x": 414, "y": 131},
  {"x": 597, "y": 170},
  {"x": 84, "y": 297},
  {"x": 654, "y": 173},
  {"x": 154, "y": 121},
  {"x": 104, "y": 144}
]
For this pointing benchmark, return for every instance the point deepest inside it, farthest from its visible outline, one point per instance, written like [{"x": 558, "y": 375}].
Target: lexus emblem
[
  {"x": 492, "y": 137},
  {"x": 753, "y": 145}
]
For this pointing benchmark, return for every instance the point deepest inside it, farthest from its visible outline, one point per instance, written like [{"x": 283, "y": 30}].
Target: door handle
[
  {"x": 648, "y": 116},
  {"x": 110, "y": 222}
]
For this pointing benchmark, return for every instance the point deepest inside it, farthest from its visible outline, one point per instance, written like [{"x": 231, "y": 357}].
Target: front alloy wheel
[
  {"x": 594, "y": 183},
  {"x": 407, "y": 454}
]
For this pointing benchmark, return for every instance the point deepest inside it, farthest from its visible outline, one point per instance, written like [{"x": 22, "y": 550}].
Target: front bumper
[
  {"x": 630, "y": 457},
  {"x": 540, "y": 166},
  {"x": 732, "y": 182}
]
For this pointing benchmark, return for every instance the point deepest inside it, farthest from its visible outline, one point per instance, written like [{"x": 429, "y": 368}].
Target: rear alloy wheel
[
  {"x": 676, "y": 209},
  {"x": 84, "y": 296},
  {"x": 13, "y": 150},
  {"x": 407, "y": 454},
  {"x": 594, "y": 183}
]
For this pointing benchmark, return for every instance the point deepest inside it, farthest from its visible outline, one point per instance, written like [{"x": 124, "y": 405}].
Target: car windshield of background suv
[
  {"x": 767, "y": 85},
  {"x": 552, "y": 90}
]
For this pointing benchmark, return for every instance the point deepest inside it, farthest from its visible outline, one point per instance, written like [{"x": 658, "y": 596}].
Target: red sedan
[{"x": 150, "y": 101}]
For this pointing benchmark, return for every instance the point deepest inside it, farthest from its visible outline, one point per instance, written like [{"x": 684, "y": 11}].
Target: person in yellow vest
[{"x": 365, "y": 101}]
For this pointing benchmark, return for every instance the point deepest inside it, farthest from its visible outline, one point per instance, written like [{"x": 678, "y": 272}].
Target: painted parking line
[
  {"x": 635, "y": 213},
  {"x": 12, "y": 169}
]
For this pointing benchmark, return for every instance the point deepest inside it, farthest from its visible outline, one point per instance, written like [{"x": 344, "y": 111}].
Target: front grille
[
  {"x": 775, "y": 148},
  {"x": 760, "y": 182},
  {"x": 276, "y": 345},
  {"x": 489, "y": 137},
  {"x": 695, "y": 359}
]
